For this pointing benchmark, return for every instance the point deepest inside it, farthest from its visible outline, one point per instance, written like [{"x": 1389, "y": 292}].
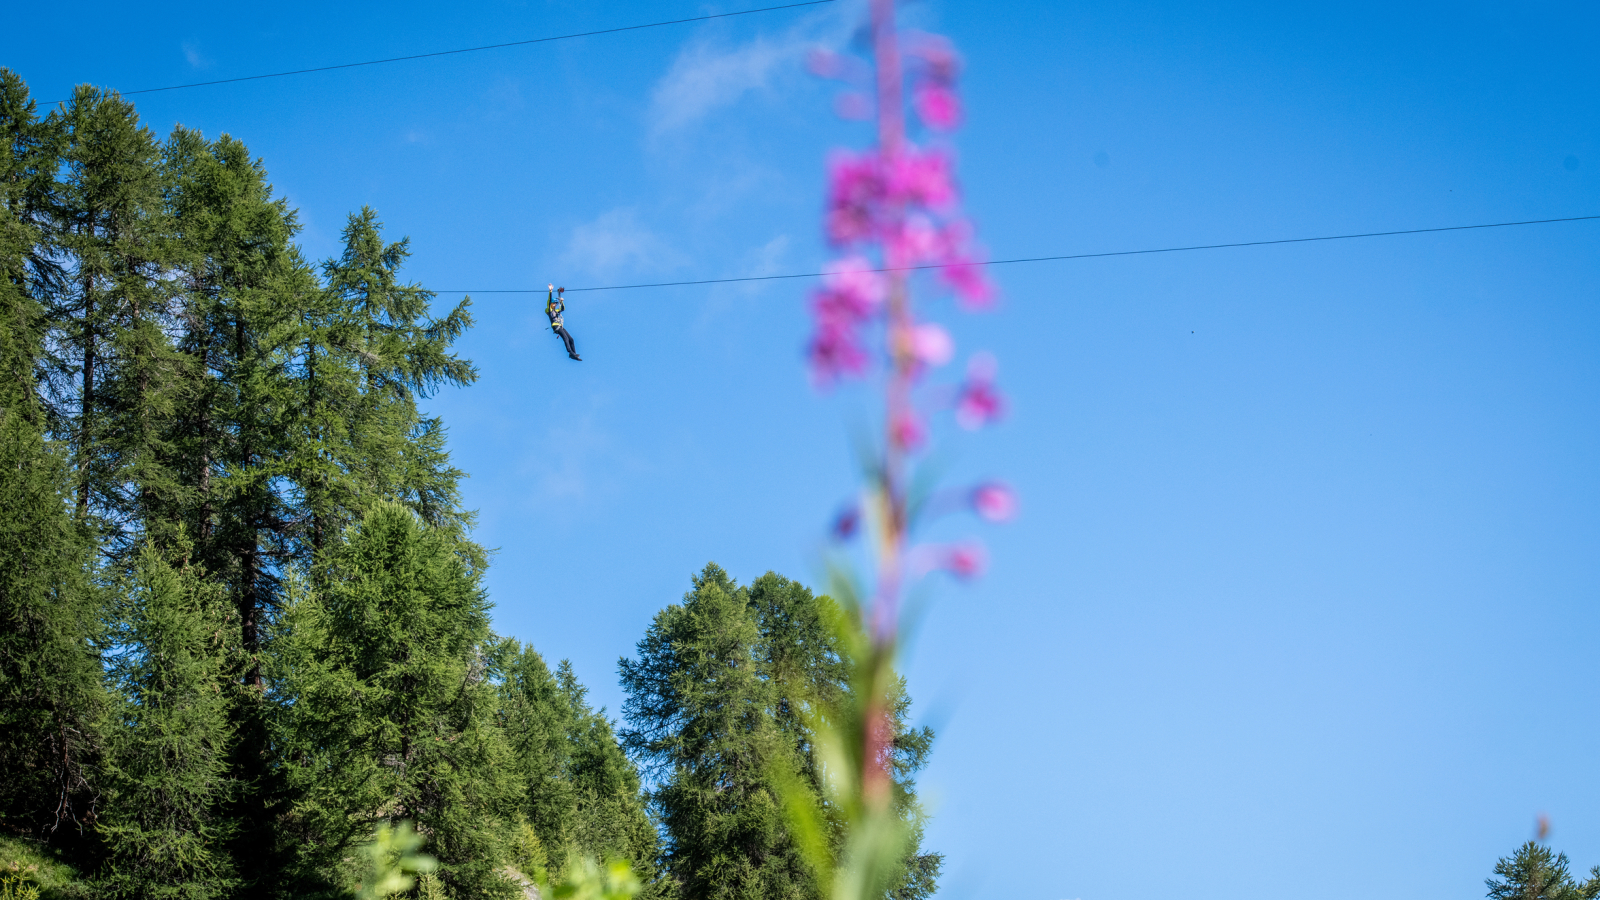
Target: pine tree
[
  {"x": 51, "y": 696},
  {"x": 388, "y": 711},
  {"x": 30, "y": 273},
  {"x": 1535, "y": 872},
  {"x": 168, "y": 783},
  {"x": 718, "y": 698},
  {"x": 375, "y": 333},
  {"x": 582, "y": 795},
  {"x": 111, "y": 318},
  {"x": 701, "y": 722}
]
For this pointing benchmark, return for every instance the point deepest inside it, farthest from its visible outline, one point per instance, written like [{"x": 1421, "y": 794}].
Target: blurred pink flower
[
  {"x": 993, "y": 501},
  {"x": 965, "y": 560},
  {"x": 916, "y": 241},
  {"x": 931, "y": 344},
  {"x": 938, "y": 107},
  {"x": 978, "y": 403},
  {"x": 907, "y": 430},
  {"x": 937, "y": 53},
  {"x": 855, "y": 191},
  {"x": 922, "y": 178},
  {"x": 851, "y": 290},
  {"x": 966, "y": 278},
  {"x": 835, "y": 352}
]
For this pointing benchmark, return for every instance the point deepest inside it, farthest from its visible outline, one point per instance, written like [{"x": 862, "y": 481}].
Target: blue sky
[{"x": 1303, "y": 594}]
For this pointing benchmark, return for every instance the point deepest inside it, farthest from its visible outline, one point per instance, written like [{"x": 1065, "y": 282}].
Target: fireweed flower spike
[{"x": 893, "y": 206}]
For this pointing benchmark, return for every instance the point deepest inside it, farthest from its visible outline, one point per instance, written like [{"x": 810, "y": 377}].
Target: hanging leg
[{"x": 567, "y": 339}]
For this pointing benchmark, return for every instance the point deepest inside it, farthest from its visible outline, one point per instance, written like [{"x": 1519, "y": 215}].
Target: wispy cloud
[
  {"x": 709, "y": 74},
  {"x": 616, "y": 242},
  {"x": 191, "y": 52}
]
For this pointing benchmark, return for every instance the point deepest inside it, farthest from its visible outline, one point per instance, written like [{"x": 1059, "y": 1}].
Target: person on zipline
[{"x": 554, "y": 307}]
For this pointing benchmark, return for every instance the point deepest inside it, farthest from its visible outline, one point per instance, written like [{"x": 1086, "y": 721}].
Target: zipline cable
[
  {"x": 1033, "y": 259},
  {"x": 543, "y": 40}
]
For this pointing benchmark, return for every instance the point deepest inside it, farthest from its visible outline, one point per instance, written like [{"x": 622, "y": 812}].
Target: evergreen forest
[{"x": 242, "y": 614}]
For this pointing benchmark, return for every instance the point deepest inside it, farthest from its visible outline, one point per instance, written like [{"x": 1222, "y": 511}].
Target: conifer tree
[
  {"x": 582, "y": 795},
  {"x": 701, "y": 721},
  {"x": 388, "y": 711},
  {"x": 167, "y": 772},
  {"x": 51, "y": 695},
  {"x": 111, "y": 315},
  {"x": 719, "y": 697},
  {"x": 29, "y": 270},
  {"x": 380, "y": 352},
  {"x": 1535, "y": 872}
]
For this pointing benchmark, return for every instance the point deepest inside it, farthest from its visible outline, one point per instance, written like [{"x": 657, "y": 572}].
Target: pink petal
[
  {"x": 966, "y": 560},
  {"x": 907, "y": 431},
  {"x": 932, "y": 344},
  {"x": 994, "y": 501},
  {"x": 938, "y": 107}
]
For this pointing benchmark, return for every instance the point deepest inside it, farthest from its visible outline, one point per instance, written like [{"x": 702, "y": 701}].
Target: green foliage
[
  {"x": 214, "y": 469},
  {"x": 391, "y": 861},
  {"x": 387, "y": 710},
  {"x": 51, "y": 696},
  {"x": 702, "y": 721},
  {"x": 1535, "y": 872},
  {"x": 167, "y": 773},
  {"x": 16, "y": 882},
  {"x": 581, "y": 794},
  {"x": 724, "y": 704},
  {"x": 43, "y": 867},
  {"x": 857, "y": 818},
  {"x": 587, "y": 881}
]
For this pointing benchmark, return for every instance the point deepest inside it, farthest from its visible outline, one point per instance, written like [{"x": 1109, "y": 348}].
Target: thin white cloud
[
  {"x": 191, "y": 52},
  {"x": 708, "y": 75},
  {"x": 705, "y": 77},
  {"x": 616, "y": 242}
]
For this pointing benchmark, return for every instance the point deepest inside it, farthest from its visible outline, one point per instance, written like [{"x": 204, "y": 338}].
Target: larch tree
[
  {"x": 581, "y": 794},
  {"x": 168, "y": 782},
  {"x": 388, "y": 710},
  {"x": 51, "y": 693},
  {"x": 1535, "y": 872},
  {"x": 701, "y": 723}
]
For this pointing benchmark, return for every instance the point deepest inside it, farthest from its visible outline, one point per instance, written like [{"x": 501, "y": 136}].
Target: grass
[{"x": 55, "y": 879}]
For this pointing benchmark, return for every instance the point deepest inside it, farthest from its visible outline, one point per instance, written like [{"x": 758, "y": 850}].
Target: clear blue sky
[{"x": 1303, "y": 595}]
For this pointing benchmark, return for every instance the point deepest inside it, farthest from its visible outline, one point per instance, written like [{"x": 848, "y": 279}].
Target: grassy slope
[{"x": 55, "y": 879}]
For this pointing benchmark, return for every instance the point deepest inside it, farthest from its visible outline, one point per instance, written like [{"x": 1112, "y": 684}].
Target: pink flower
[
  {"x": 921, "y": 178},
  {"x": 851, "y": 292},
  {"x": 931, "y": 344},
  {"x": 907, "y": 430},
  {"x": 993, "y": 501},
  {"x": 938, "y": 107},
  {"x": 979, "y": 403},
  {"x": 966, "y": 278},
  {"x": 835, "y": 352},
  {"x": 855, "y": 193},
  {"x": 965, "y": 560},
  {"x": 937, "y": 53},
  {"x": 916, "y": 241}
]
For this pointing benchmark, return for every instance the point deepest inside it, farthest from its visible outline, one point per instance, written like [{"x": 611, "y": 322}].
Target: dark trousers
[{"x": 565, "y": 339}]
